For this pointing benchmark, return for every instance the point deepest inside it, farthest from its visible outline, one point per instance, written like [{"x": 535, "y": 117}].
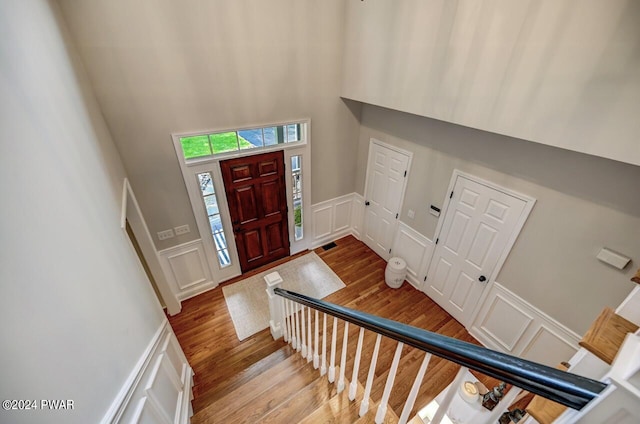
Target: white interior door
[
  {"x": 479, "y": 228},
  {"x": 386, "y": 180}
]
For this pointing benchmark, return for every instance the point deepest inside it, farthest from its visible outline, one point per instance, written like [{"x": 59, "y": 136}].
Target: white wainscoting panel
[
  {"x": 357, "y": 215},
  {"x": 332, "y": 219},
  {"x": 185, "y": 267},
  {"x": 509, "y": 324},
  {"x": 159, "y": 388},
  {"x": 415, "y": 249}
]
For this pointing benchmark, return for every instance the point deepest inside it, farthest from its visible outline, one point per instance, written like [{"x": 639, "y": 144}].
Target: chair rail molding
[{"x": 160, "y": 386}]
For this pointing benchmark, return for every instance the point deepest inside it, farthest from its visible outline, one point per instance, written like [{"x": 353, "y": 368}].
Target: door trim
[
  {"x": 190, "y": 169},
  {"x": 396, "y": 149},
  {"x": 529, "y": 203},
  {"x": 131, "y": 212}
]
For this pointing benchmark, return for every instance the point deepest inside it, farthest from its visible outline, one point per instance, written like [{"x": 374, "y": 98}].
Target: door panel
[
  {"x": 386, "y": 173},
  {"x": 477, "y": 227},
  {"x": 256, "y": 191}
]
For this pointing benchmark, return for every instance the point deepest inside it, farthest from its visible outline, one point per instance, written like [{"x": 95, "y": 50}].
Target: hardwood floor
[{"x": 222, "y": 363}]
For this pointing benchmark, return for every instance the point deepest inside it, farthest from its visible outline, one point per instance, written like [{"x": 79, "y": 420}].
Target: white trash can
[{"x": 395, "y": 273}]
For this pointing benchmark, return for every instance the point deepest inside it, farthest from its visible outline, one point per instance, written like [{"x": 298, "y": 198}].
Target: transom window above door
[{"x": 218, "y": 143}]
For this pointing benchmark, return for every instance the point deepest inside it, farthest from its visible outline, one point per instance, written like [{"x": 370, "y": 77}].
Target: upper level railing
[{"x": 562, "y": 387}]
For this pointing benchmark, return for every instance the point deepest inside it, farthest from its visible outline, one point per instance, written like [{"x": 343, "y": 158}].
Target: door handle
[
  {"x": 367, "y": 203},
  {"x": 482, "y": 279},
  {"x": 236, "y": 230}
]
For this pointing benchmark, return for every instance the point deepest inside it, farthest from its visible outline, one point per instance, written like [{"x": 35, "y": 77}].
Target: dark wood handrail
[{"x": 562, "y": 387}]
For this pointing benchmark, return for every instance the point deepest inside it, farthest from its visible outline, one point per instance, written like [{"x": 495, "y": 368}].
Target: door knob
[
  {"x": 482, "y": 279},
  {"x": 367, "y": 203}
]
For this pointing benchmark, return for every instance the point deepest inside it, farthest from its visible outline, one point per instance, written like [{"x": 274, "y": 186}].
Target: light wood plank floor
[{"x": 222, "y": 363}]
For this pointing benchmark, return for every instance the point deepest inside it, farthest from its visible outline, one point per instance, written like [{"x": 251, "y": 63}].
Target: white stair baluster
[
  {"x": 382, "y": 408},
  {"x": 323, "y": 362},
  {"x": 413, "y": 394},
  {"x": 448, "y": 397},
  {"x": 304, "y": 333},
  {"x": 316, "y": 358},
  {"x": 292, "y": 330},
  {"x": 287, "y": 304},
  {"x": 343, "y": 357},
  {"x": 285, "y": 327},
  {"x": 332, "y": 364},
  {"x": 506, "y": 401},
  {"x": 297, "y": 339},
  {"x": 364, "y": 406},
  {"x": 356, "y": 366},
  {"x": 309, "y": 343}
]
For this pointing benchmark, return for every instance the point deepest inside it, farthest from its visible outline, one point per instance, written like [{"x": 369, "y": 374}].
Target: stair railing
[{"x": 291, "y": 313}]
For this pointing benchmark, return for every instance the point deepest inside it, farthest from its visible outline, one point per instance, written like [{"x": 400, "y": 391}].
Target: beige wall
[
  {"x": 76, "y": 308},
  {"x": 558, "y": 72},
  {"x": 166, "y": 66},
  {"x": 583, "y": 204}
]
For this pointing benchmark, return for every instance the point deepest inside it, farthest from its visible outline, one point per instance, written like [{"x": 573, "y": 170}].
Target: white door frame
[
  {"x": 396, "y": 149},
  {"x": 131, "y": 212},
  {"x": 529, "y": 203},
  {"x": 212, "y": 163}
]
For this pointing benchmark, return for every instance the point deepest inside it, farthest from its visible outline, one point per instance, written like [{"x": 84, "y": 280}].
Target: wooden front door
[{"x": 256, "y": 193}]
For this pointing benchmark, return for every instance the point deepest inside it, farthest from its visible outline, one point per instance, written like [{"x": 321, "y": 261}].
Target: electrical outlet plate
[
  {"x": 183, "y": 229},
  {"x": 166, "y": 234}
]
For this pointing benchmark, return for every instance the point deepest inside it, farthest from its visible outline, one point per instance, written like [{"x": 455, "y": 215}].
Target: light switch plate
[
  {"x": 411, "y": 214},
  {"x": 182, "y": 229},
  {"x": 166, "y": 234}
]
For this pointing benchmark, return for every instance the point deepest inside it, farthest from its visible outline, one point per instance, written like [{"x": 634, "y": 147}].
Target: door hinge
[
  {"x": 389, "y": 250},
  {"x": 396, "y": 216},
  {"x": 451, "y": 195},
  {"x": 437, "y": 240},
  {"x": 405, "y": 174}
]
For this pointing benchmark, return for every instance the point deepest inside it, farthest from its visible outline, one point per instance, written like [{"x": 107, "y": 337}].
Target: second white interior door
[
  {"x": 480, "y": 224},
  {"x": 386, "y": 179}
]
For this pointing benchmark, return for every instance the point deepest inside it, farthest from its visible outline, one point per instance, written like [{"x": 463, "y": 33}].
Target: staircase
[{"x": 291, "y": 391}]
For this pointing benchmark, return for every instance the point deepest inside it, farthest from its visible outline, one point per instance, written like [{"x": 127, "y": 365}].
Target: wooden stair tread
[
  {"x": 210, "y": 390},
  {"x": 546, "y": 411},
  {"x": 289, "y": 374},
  {"x": 302, "y": 403},
  {"x": 606, "y": 334}
]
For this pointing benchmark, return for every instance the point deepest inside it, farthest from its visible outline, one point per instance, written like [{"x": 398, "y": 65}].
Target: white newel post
[{"x": 274, "y": 281}]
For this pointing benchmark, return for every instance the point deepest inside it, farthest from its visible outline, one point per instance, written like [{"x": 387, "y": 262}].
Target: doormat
[
  {"x": 329, "y": 246},
  {"x": 247, "y": 300}
]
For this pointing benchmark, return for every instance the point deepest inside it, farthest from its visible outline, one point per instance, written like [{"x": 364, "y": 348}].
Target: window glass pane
[
  {"x": 250, "y": 138},
  {"x": 292, "y": 133},
  {"x": 206, "y": 183},
  {"x": 216, "y": 223},
  {"x": 223, "y": 258},
  {"x": 270, "y": 136},
  {"x": 224, "y": 142},
  {"x": 220, "y": 240},
  {"x": 196, "y": 146},
  {"x": 211, "y": 203},
  {"x": 295, "y": 163}
]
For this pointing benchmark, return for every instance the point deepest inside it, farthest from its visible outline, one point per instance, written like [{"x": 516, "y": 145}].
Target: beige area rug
[{"x": 247, "y": 299}]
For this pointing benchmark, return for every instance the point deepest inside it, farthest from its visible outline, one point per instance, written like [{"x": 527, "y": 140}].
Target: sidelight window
[
  {"x": 296, "y": 184},
  {"x": 210, "y": 201}
]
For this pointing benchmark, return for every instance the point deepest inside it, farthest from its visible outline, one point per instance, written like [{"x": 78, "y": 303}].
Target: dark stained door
[{"x": 256, "y": 194}]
